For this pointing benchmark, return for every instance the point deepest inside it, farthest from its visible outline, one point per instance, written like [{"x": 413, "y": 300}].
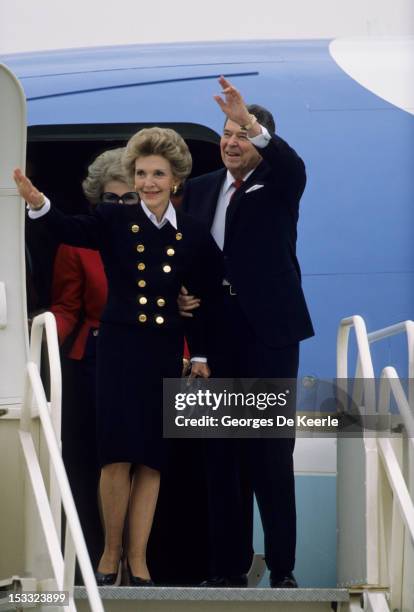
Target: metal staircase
[
  {"x": 375, "y": 534},
  {"x": 375, "y": 481}
]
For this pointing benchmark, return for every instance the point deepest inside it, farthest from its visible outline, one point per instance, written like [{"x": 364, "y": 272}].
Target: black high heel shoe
[
  {"x": 113, "y": 579},
  {"x": 136, "y": 581}
]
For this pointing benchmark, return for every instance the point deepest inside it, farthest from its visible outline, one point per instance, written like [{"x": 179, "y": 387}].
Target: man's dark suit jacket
[{"x": 260, "y": 241}]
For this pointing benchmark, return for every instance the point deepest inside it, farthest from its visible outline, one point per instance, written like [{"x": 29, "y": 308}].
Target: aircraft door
[{"x": 13, "y": 310}]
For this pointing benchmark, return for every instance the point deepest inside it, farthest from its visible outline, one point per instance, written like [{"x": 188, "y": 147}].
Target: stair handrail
[
  {"x": 392, "y": 330},
  {"x": 364, "y": 368},
  {"x": 345, "y": 326},
  {"x": 390, "y": 384},
  {"x": 401, "y": 512},
  {"x": 63, "y": 567}
]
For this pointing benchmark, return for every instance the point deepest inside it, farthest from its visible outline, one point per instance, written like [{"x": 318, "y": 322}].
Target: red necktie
[{"x": 236, "y": 184}]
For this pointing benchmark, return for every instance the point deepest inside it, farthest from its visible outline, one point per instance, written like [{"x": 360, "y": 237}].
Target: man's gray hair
[{"x": 263, "y": 116}]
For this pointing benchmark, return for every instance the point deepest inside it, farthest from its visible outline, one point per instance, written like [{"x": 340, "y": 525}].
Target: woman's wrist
[{"x": 38, "y": 205}]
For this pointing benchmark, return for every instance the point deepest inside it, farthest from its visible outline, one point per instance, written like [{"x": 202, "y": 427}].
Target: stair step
[
  {"x": 200, "y": 594},
  {"x": 125, "y": 598}
]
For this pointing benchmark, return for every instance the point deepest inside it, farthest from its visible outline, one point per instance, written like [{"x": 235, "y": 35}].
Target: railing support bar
[{"x": 50, "y": 418}]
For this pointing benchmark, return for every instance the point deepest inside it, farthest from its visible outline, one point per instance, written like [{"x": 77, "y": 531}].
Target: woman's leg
[
  {"x": 142, "y": 504},
  {"x": 115, "y": 486}
]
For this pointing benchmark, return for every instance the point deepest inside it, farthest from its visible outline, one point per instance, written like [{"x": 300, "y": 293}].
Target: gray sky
[{"x": 27, "y": 25}]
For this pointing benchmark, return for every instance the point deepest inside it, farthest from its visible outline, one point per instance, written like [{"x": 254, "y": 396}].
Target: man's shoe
[
  {"x": 220, "y": 582},
  {"x": 283, "y": 581}
]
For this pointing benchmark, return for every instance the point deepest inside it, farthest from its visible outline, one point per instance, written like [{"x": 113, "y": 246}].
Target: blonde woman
[
  {"x": 149, "y": 250},
  {"x": 79, "y": 294}
]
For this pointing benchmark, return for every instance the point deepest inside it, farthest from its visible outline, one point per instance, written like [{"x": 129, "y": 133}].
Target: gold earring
[{"x": 174, "y": 189}]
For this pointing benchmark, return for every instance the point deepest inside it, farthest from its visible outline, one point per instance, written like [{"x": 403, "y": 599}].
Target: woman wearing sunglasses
[
  {"x": 149, "y": 251},
  {"x": 79, "y": 287},
  {"x": 79, "y": 294}
]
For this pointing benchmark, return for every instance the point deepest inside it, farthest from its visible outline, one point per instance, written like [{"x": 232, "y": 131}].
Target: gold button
[
  {"x": 170, "y": 252},
  {"x": 166, "y": 268},
  {"x": 141, "y": 266},
  {"x": 142, "y": 318},
  {"x": 142, "y": 283},
  {"x": 142, "y": 299},
  {"x": 178, "y": 236},
  {"x": 161, "y": 302},
  {"x": 135, "y": 229},
  {"x": 140, "y": 248},
  {"x": 159, "y": 320}
]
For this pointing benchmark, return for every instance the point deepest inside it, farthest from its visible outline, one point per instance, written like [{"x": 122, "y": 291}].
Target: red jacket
[{"x": 79, "y": 290}]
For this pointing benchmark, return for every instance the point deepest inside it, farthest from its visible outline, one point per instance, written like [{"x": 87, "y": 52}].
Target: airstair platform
[{"x": 182, "y": 599}]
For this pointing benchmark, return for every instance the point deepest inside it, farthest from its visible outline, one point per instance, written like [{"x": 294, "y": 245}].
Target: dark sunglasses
[{"x": 131, "y": 197}]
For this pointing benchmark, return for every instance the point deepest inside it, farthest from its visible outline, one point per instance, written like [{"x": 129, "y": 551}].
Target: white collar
[
  {"x": 169, "y": 215},
  {"x": 229, "y": 180}
]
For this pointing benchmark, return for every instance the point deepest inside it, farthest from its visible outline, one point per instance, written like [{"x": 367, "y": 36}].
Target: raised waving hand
[
  {"x": 27, "y": 190},
  {"x": 235, "y": 108}
]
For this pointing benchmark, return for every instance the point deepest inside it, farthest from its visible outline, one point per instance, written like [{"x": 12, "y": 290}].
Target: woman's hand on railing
[{"x": 34, "y": 198}]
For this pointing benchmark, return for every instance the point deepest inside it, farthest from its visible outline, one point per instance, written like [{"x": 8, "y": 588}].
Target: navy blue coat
[
  {"x": 190, "y": 253},
  {"x": 260, "y": 241}
]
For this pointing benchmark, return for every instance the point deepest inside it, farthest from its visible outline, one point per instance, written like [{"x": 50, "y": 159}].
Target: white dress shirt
[
  {"x": 169, "y": 215},
  {"x": 227, "y": 190}
]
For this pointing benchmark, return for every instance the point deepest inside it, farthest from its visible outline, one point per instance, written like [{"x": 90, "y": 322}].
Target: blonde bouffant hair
[
  {"x": 106, "y": 167},
  {"x": 158, "y": 141}
]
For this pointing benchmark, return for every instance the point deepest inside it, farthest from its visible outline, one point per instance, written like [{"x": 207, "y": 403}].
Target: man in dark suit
[{"x": 252, "y": 207}]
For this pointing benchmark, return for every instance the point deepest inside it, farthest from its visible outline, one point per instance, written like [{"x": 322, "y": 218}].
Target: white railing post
[
  {"x": 36, "y": 477},
  {"x": 391, "y": 383},
  {"x": 396, "y": 557},
  {"x": 46, "y": 321},
  {"x": 410, "y": 343},
  {"x": 70, "y": 562},
  {"x": 363, "y": 396},
  {"x": 63, "y": 568}
]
